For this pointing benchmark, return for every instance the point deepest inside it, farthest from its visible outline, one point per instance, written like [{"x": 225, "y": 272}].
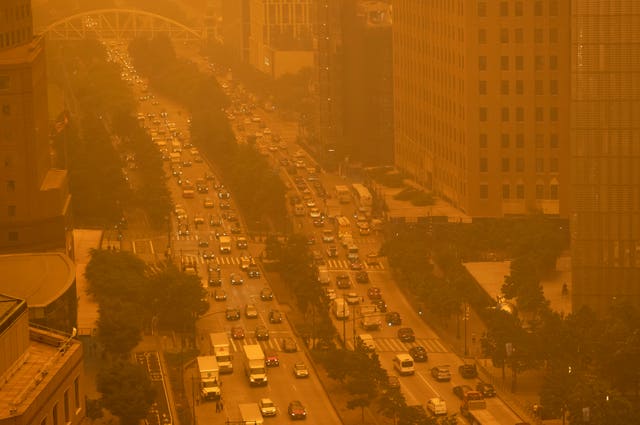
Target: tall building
[
  {"x": 281, "y": 35},
  {"x": 34, "y": 197},
  {"x": 605, "y": 152},
  {"x": 481, "y": 92},
  {"x": 42, "y": 371},
  {"x": 234, "y": 28}
]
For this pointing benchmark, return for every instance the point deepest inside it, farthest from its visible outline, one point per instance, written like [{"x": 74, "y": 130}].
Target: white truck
[
  {"x": 254, "y": 365},
  {"x": 209, "y": 378},
  {"x": 250, "y": 414},
  {"x": 220, "y": 349},
  {"x": 474, "y": 409},
  {"x": 225, "y": 244}
]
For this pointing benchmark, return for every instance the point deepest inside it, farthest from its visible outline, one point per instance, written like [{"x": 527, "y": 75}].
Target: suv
[
  {"x": 441, "y": 373},
  {"x": 406, "y": 335},
  {"x": 468, "y": 371}
]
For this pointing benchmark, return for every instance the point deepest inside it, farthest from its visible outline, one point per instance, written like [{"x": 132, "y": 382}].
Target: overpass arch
[{"x": 119, "y": 24}]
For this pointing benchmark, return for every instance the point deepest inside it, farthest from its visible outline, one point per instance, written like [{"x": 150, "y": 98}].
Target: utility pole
[{"x": 466, "y": 319}]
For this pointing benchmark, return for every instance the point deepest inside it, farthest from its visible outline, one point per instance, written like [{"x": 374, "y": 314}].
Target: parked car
[
  {"x": 468, "y": 371},
  {"x": 486, "y": 389}
]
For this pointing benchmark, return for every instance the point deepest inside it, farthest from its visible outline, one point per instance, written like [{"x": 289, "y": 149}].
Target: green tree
[
  {"x": 119, "y": 327},
  {"x": 126, "y": 391}
]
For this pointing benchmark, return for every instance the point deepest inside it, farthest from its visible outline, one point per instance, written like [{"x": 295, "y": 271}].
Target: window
[
  {"x": 539, "y": 141},
  {"x": 482, "y": 36},
  {"x": 482, "y": 9},
  {"x": 11, "y": 210},
  {"x": 553, "y": 165},
  {"x": 539, "y": 191},
  {"x": 6, "y": 109},
  {"x": 482, "y": 140},
  {"x": 4, "y": 80},
  {"x": 54, "y": 414},
  {"x": 553, "y": 140},
  {"x": 538, "y": 35},
  {"x": 553, "y": 114},
  {"x": 506, "y": 191},
  {"x": 482, "y": 113},
  {"x": 518, "y": 8},
  {"x": 553, "y": 62},
  {"x": 520, "y": 164},
  {"x": 67, "y": 413},
  {"x": 539, "y": 165},
  {"x": 553, "y": 35},
  {"x": 484, "y": 191},
  {"x": 520, "y": 191},
  {"x": 538, "y": 88},
  {"x": 553, "y": 87},
  {"x": 519, "y": 63},
  {"x": 504, "y": 87},
  {"x": 519, "y": 35},
  {"x": 504, "y": 35},
  {"x": 504, "y": 141},
  {"x": 482, "y": 87},
  {"x": 76, "y": 392},
  {"x": 539, "y": 63},
  {"x": 553, "y": 7},
  {"x": 504, "y": 8},
  {"x": 11, "y": 185},
  {"x": 504, "y": 114},
  {"x": 482, "y": 63},
  {"x": 519, "y": 87},
  {"x": 519, "y": 114},
  {"x": 553, "y": 191},
  {"x": 537, "y": 8},
  {"x": 539, "y": 114},
  {"x": 504, "y": 63},
  {"x": 520, "y": 140},
  {"x": 484, "y": 164},
  {"x": 504, "y": 165}
]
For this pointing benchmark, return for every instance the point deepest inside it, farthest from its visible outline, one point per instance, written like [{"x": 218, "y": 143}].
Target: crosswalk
[
  {"x": 235, "y": 260},
  {"x": 346, "y": 264},
  {"x": 273, "y": 343}
]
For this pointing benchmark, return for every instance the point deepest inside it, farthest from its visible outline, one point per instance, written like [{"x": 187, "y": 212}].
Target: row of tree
[{"x": 257, "y": 187}]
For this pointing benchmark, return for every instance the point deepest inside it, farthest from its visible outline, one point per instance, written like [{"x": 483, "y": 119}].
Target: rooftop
[{"x": 37, "y": 278}]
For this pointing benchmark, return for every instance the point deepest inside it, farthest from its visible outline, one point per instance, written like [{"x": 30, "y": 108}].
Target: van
[
  {"x": 403, "y": 363},
  {"x": 340, "y": 309},
  {"x": 437, "y": 406}
]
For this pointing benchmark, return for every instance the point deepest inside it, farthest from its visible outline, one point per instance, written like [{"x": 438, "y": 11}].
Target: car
[
  {"x": 406, "y": 335},
  {"x": 468, "y": 371},
  {"x": 271, "y": 358},
  {"x": 289, "y": 345},
  {"x": 381, "y": 305},
  {"x": 393, "y": 318},
  {"x": 213, "y": 281},
  {"x": 225, "y": 205},
  {"x": 374, "y": 293},
  {"x": 224, "y": 195},
  {"x": 297, "y": 410},
  {"x": 237, "y": 332},
  {"x": 372, "y": 259},
  {"x": 266, "y": 294},
  {"x": 393, "y": 382},
  {"x": 208, "y": 255},
  {"x": 356, "y": 265},
  {"x": 437, "y": 406},
  {"x": 332, "y": 251},
  {"x": 315, "y": 213},
  {"x": 267, "y": 407},
  {"x": 329, "y": 293},
  {"x": 418, "y": 353},
  {"x": 241, "y": 242},
  {"x": 318, "y": 222},
  {"x": 261, "y": 333},
  {"x": 235, "y": 230},
  {"x": 208, "y": 203},
  {"x": 232, "y": 314},
  {"x": 486, "y": 389},
  {"x": 441, "y": 373},
  {"x": 327, "y": 236},
  {"x": 203, "y": 243},
  {"x": 235, "y": 279},
  {"x": 275, "y": 316},
  {"x": 343, "y": 281},
  {"x": 353, "y": 298},
  {"x": 250, "y": 311},
  {"x": 300, "y": 370},
  {"x": 220, "y": 294},
  {"x": 362, "y": 277}
]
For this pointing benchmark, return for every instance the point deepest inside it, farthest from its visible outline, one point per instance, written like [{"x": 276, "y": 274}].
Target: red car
[
  {"x": 374, "y": 293},
  {"x": 237, "y": 332}
]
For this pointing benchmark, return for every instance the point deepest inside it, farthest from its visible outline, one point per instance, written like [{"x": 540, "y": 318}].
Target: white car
[
  {"x": 300, "y": 370},
  {"x": 314, "y": 213},
  {"x": 267, "y": 407},
  {"x": 353, "y": 298},
  {"x": 437, "y": 406}
]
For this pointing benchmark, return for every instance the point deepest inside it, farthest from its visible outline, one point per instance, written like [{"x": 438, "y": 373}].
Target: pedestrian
[
  {"x": 221, "y": 404},
  {"x": 217, "y": 406}
]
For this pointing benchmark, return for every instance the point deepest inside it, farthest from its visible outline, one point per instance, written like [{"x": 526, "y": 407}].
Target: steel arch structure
[{"x": 119, "y": 24}]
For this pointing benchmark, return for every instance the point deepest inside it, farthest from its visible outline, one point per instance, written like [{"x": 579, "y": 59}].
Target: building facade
[
  {"x": 34, "y": 197},
  {"x": 481, "y": 93},
  {"x": 605, "y": 153}
]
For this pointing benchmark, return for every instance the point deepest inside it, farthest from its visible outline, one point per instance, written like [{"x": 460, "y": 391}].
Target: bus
[
  {"x": 342, "y": 194},
  {"x": 362, "y": 195}
]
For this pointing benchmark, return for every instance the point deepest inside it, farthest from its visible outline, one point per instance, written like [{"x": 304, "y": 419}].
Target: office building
[
  {"x": 481, "y": 92},
  {"x": 605, "y": 153},
  {"x": 42, "y": 371},
  {"x": 34, "y": 197}
]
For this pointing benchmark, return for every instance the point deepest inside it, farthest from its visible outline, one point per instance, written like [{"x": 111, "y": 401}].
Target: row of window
[
  {"x": 505, "y": 87},
  {"x": 519, "y": 165},
  {"x": 507, "y": 8},
  {"x": 518, "y": 63},
  {"x": 14, "y": 38},
  {"x": 505, "y": 141},
  {"x": 66, "y": 407},
  {"x": 505, "y": 114},
  {"x": 519, "y": 193},
  {"x": 518, "y": 35}
]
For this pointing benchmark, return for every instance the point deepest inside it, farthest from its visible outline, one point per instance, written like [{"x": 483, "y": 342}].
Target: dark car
[
  {"x": 233, "y": 314},
  {"x": 441, "y": 373},
  {"x": 374, "y": 293},
  {"x": 254, "y": 271},
  {"x": 468, "y": 371},
  {"x": 381, "y": 305},
  {"x": 393, "y": 381},
  {"x": 275, "y": 316},
  {"x": 271, "y": 358},
  {"x": 343, "y": 281},
  {"x": 237, "y": 332},
  {"x": 235, "y": 279},
  {"x": 418, "y": 353},
  {"x": 393, "y": 319},
  {"x": 486, "y": 389},
  {"x": 289, "y": 345},
  {"x": 215, "y": 281},
  {"x": 262, "y": 333},
  {"x": 362, "y": 277},
  {"x": 406, "y": 335},
  {"x": 461, "y": 390},
  {"x": 266, "y": 294},
  {"x": 220, "y": 294},
  {"x": 296, "y": 410}
]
